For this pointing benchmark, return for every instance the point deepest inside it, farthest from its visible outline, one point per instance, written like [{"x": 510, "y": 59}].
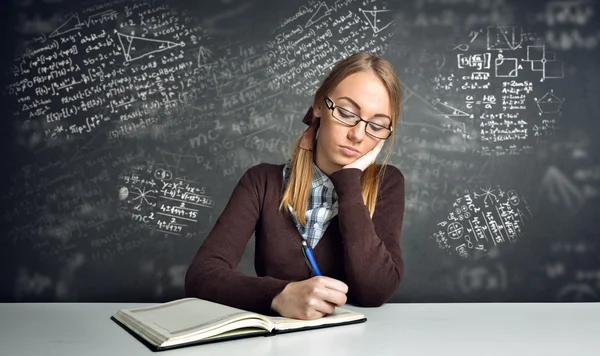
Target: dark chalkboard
[{"x": 126, "y": 125}]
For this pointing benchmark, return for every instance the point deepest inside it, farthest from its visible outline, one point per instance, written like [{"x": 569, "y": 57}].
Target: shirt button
[{"x": 316, "y": 225}]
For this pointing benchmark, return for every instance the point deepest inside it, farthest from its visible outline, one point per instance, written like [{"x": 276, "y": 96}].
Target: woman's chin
[{"x": 342, "y": 160}]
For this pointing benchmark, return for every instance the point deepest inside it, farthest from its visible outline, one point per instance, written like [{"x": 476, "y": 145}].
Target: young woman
[{"x": 330, "y": 195}]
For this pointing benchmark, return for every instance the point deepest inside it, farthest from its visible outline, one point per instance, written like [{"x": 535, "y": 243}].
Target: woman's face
[{"x": 364, "y": 94}]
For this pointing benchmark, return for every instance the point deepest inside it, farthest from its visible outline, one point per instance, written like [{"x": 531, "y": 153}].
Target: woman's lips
[{"x": 349, "y": 151}]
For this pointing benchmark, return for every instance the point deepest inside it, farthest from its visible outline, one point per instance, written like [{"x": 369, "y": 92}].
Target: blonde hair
[{"x": 298, "y": 189}]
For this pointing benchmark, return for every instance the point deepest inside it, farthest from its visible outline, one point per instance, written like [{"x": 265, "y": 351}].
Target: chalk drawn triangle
[
  {"x": 320, "y": 13},
  {"x": 371, "y": 17},
  {"x": 137, "y": 47},
  {"x": 522, "y": 216},
  {"x": 448, "y": 110},
  {"x": 451, "y": 127},
  {"x": 71, "y": 24},
  {"x": 204, "y": 55}
]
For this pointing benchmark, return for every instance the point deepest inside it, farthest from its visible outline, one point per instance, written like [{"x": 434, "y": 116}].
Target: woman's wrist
[
  {"x": 274, "y": 304},
  {"x": 278, "y": 300}
]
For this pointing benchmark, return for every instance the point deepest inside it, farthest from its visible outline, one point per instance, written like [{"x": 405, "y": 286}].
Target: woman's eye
[
  {"x": 346, "y": 115},
  {"x": 375, "y": 127}
]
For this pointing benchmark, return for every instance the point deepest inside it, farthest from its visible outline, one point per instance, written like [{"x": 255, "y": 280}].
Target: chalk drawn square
[
  {"x": 535, "y": 53},
  {"x": 554, "y": 69},
  {"x": 537, "y": 66},
  {"x": 507, "y": 67}
]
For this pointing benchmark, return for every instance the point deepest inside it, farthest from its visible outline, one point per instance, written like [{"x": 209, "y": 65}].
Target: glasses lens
[
  {"x": 345, "y": 116},
  {"x": 378, "y": 130}
]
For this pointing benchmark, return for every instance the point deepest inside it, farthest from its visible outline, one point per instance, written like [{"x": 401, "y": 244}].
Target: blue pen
[{"x": 310, "y": 259}]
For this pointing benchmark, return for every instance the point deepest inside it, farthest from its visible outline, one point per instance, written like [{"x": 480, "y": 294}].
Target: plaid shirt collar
[
  {"x": 322, "y": 205},
  {"x": 319, "y": 179}
]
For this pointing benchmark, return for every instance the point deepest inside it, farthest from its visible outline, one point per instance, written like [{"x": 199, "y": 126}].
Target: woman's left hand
[{"x": 363, "y": 162}]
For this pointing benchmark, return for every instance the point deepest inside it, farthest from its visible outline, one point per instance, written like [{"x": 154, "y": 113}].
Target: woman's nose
[{"x": 357, "y": 133}]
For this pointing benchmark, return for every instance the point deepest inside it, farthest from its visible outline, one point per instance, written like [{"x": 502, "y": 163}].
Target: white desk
[{"x": 65, "y": 329}]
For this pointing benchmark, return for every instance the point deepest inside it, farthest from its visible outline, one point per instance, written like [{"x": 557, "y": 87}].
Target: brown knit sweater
[{"x": 363, "y": 253}]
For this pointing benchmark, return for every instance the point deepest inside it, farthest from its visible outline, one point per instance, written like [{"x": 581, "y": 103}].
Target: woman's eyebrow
[{"x": 358, "y": 107}]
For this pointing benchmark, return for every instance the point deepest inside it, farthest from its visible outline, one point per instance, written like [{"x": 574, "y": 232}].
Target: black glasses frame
[{"x": 331, "y": 106}]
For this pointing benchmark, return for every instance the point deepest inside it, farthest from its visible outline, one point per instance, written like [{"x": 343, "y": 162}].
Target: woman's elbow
[
  {"x": 194, "y": 283},
  {"x": 376, "y": 296},
  {"x": 373, "y": 299}
]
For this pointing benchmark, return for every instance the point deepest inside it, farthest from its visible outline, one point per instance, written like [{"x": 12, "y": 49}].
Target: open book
[{"x": 190, "y": 321}]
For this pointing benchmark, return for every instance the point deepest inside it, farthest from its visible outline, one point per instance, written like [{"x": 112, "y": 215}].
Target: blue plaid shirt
[{"x": 322, "y": 205}]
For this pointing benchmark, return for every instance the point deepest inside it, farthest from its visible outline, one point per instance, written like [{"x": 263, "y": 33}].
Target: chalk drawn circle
[
  {"x": 455, "y": 230},
  {"x": 123, "y": 193},
  {"x": 513, "y": 198},
  {"x": 227, "y": 144},
  {"x": 215, "y": 148},
  {"x": 163, "y": 174},
  {"x": 464, "y": 208},
  {"x": 232, "y": 155}
]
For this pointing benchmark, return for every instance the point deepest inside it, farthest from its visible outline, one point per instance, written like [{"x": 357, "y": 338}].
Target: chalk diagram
[
  {"x": 544, "y": 62},
  {"x": 73, "y": 23},
  {"x": 163, "y": 174},
  {"x": 143, "y": 195},
  {"x": 513, "y": 197},
  {"x": 138, "y": 193},
  {"x": 506, "y": 67},
  {"x": 319, "y": 13},
  {"x": 371, "y": 17},
  {"x": 448, "y": 111},
  {"x": 501, "y": 38},
  {"x": 135, "y": 47},
  {"x": 482, "y": 219},
  {"x": 138, "y": 190},
  {"x": 449, "y": 123},
  {"x": 153, "y": 197},
  {"x": 488, "y": 193},
  {"x": 549, "y": 103},
  {"x": 455, "y": 230},
  {"x": 204, "y": 57},
  {"x": 506, "y": 38}
]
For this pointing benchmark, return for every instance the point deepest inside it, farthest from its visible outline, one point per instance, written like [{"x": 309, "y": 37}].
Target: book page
[
  {"x": 339, "y": 315},
  {"x": 188, "y": 316},
  {"x": 243, "y": 327}
]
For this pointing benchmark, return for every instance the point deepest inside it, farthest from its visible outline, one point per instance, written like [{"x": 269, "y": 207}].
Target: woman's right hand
[{"x": 311, "y": 298}]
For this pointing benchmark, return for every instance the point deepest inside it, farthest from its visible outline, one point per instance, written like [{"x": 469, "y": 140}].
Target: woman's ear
[{"x": 317, "y": 110}]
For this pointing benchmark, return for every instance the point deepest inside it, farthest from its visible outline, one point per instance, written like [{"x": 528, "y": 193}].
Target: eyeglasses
[{"x": 349, "y": 118}]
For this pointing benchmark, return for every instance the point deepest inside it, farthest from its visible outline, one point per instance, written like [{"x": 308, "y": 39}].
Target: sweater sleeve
[
  {"x": 372, "y": 253},
  {"x": 212, "y": 275}
]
